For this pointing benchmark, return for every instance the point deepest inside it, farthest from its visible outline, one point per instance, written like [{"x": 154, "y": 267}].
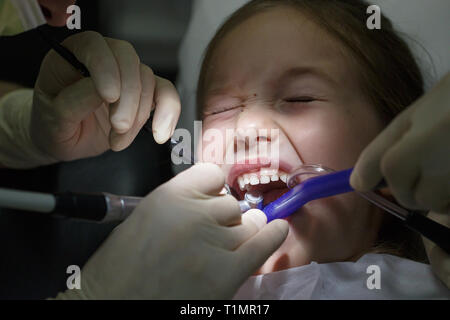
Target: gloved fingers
[
  {"x": 225, "y": 210},
  {"x": 91, "y": 49},
  {"x": 167, "y": 110},
  {"x": 401, "y": 170},
  {"x": 253, "y": 253},
  {"x": 74, "y": 103},
  {"x": 102, "y": 115},
  {"x": 251, "y": 222},
  {"x": 202, "y": 178},
  {"x": 147, "y": 94},
  {"x": 433, "y": 193},
  {"x": 123, "y": 112},
  {"x": 439, "y": 261},
  {"x": 119, "y": 141},
  {"x": 367, "y": 172}
]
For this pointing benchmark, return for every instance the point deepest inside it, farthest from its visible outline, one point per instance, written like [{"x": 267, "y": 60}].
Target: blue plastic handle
[
  {"x": 339, "y": 182},
  {"x": 314, "y": 188}
]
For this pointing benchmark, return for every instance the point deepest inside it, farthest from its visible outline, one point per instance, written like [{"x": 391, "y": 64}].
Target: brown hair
[{"x": 391, "y": 78}]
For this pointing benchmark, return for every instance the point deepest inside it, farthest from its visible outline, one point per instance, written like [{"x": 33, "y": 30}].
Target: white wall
[
  {"x": 154, "y": 27},
  {"x": 427, "y": 22}
]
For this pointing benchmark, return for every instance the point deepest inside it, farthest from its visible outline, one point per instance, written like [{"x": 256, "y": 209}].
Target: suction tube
[
  {"x": 335, "y": 183},
  {"x": 311, "y": 189}
]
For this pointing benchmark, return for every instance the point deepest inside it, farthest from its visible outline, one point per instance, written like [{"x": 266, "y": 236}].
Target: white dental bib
[{"x": 398, "y": 279}]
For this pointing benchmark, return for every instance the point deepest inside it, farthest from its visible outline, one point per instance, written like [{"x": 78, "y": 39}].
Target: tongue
[{"x": 273, "y": 195}]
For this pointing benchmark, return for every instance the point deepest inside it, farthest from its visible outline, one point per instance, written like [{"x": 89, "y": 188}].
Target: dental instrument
[
  {"x": 96, "y": 207},
  {"x": 63, "y": 52},
  {"x": 250, "y": 203},
  {"x": 252, "y": 200},
  {"x": 31, "y": 17},
  {"x": 99, "y": 207},
  {"x": 330, "y": 183}
]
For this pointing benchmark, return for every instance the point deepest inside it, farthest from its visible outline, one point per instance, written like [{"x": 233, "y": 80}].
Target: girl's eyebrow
[{"x": 297, "y": 72}]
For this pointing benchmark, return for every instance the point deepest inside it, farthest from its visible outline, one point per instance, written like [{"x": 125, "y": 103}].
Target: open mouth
[{"x": 271, "y": 183}]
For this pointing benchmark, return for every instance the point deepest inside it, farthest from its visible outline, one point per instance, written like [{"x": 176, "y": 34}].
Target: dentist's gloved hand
[
  {"x": 412, "y": 155},
  {"x": 70, "y": 117},
  {"x": 75, "y": 117},
  {"x": 184, "y": 241},
  {"x": 439, "y": 260}
]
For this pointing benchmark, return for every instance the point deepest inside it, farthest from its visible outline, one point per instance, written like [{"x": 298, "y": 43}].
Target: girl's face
[{"x": 279, "y": 70}]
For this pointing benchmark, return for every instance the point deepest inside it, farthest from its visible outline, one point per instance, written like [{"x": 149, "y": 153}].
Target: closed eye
[
  {"x": 300, "y": 99},
  {"x": 221, "y": 110}
]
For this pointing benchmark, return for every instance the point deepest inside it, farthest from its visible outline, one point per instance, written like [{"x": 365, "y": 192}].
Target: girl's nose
[
  {"x": 255, "y": 118},
  {"x": 255, "y": 130}
]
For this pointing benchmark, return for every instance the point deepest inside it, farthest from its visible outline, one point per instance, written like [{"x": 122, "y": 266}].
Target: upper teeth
[{"x": 264, "y": 176}]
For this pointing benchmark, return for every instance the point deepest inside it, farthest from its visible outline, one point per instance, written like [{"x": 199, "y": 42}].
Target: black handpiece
[
  {"x": 91, "y": 207},
  {"x": 430, "y": 229}
]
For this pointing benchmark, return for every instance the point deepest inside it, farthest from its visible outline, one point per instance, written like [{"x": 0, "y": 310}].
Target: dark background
[{"x": 36, "y": 249}]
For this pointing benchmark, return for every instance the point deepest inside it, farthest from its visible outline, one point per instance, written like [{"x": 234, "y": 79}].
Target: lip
[{"x": 255, "y": 165}]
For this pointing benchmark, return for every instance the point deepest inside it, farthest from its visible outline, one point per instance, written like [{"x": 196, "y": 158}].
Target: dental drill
[
  {"x": 98, "y": 207},
  {"x": 252, "y": 200}
]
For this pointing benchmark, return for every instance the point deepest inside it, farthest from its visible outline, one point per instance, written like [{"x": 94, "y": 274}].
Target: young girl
[{"x": 312, "y": 70}]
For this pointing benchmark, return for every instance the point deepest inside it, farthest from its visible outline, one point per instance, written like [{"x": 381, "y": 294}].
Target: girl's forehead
[
  {"x": 272, "y": 42},
  {"x": 278, "y": 29}
]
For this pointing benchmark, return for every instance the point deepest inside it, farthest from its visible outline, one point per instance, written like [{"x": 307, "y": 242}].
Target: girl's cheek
[{"x": 323, "y": 137}]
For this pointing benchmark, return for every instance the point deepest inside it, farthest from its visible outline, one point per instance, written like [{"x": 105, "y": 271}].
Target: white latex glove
[
  {"x": 413, "y": 156},
  {"x": 74, "y": 117},
  {"x": 184, "y": 241},
  {"x": 439, "y": 260}
]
